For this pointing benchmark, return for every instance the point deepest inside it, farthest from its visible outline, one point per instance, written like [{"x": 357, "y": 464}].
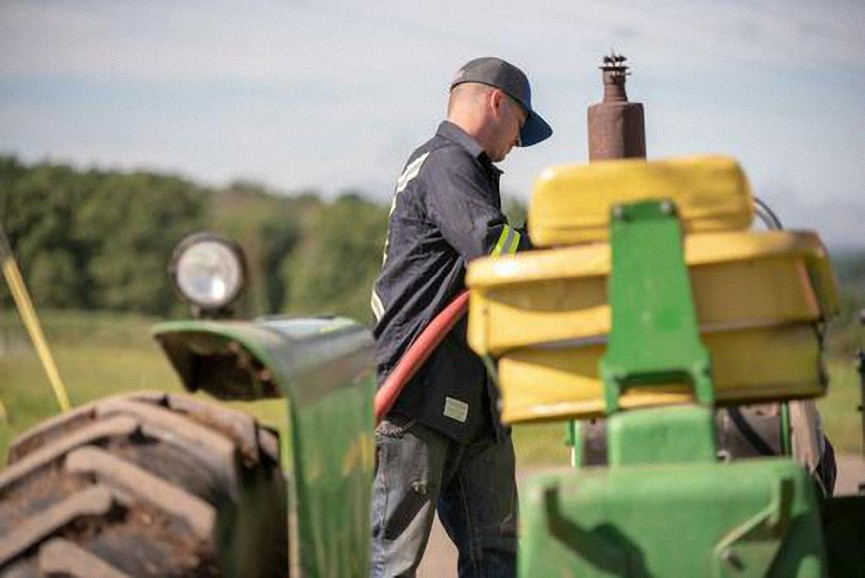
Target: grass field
[
  {"x": 101, "y": 354},
  {"x": 97, "y": 354}
]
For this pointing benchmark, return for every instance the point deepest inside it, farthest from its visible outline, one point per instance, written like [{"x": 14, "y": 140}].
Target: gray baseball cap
[{"x": 507, "y": 77}]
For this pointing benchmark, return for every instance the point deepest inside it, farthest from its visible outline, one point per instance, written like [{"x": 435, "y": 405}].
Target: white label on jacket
[{"x": 456, "y": 409}]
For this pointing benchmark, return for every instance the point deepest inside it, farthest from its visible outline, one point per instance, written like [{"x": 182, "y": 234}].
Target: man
[{"x": 442, "y": 446}]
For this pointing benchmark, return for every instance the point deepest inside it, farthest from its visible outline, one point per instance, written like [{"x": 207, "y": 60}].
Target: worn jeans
[{"x": 472, "y": 486}]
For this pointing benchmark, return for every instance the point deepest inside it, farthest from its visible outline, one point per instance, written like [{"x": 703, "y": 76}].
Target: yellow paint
[
  {"x": 359, "y": 454},
  {"x": 367, "y": 451},
  {"x": 34, "y": 328},
  {"x": 779, "y": 362},
  {"x": 740, "y": 280},
  {"x": 545, "y": 316},
  {"x": 571, "y": 204},
  {"x": 351, "y": 458}
]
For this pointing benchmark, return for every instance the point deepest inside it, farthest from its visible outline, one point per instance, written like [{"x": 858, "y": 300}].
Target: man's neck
[{"x": 471, "y": 127}]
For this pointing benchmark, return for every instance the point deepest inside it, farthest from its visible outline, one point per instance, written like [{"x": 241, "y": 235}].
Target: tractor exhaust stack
[{"x": 616, "y": 126}]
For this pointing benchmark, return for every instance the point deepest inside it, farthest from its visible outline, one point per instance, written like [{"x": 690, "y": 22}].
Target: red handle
[{"x": 418, "y": 352}]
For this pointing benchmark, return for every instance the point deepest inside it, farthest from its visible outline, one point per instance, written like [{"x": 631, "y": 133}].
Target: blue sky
[{"x": 335, "y": 95}]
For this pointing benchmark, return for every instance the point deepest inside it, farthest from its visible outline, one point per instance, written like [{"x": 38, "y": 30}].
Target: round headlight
[{"x": 208, "y": 271}]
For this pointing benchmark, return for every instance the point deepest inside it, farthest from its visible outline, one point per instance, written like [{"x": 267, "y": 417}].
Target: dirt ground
[{"x": 440, "y": 558}]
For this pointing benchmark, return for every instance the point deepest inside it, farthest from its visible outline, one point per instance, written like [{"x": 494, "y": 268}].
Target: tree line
[
  {"x": 98, "y": 239},
  {"x": 102, "y": 240}
]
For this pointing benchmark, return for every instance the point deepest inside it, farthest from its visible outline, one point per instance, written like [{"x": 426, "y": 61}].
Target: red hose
[{"x": 418, "y": 352}]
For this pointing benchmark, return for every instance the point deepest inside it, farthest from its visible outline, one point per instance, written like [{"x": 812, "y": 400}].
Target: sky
[{"x": 334, "y": 95}]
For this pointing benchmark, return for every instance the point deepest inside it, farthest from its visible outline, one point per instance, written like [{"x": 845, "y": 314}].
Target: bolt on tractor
[{"x": 680, "y": 349}]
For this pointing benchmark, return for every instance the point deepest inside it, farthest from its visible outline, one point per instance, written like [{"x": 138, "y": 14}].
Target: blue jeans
[{"x": 472, "y": 486}]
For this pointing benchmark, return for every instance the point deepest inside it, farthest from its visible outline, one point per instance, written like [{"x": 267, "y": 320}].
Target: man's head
[{"x": 491, "y": 100}]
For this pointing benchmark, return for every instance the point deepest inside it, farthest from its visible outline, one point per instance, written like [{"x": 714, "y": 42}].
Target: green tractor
[
  {"x": 649, "y": 309},
  {"x": 156, "y": 484}
]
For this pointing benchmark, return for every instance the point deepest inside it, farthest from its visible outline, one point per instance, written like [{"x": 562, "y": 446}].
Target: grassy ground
[
  {"x": 97, "y": 355},
  {"x": 842, "y": 421},
  {"x": 101, "y": 354}
]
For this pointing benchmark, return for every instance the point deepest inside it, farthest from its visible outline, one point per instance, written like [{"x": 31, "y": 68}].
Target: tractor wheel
[{"x": 146, "y": 484}]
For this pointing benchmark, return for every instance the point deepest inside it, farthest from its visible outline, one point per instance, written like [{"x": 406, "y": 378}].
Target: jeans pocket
[{"x": 394, "y": 426}]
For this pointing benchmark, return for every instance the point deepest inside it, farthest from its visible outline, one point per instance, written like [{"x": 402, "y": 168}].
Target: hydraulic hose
[{"x": 418, "y": 352}]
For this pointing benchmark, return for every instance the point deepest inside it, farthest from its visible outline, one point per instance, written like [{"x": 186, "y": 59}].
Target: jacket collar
[{"x": 454, "y": 133}]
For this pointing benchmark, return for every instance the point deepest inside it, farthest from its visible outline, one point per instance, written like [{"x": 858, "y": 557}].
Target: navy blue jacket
[{"x": 446, "y": 211}]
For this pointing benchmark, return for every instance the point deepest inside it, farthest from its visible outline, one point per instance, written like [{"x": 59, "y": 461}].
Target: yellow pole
[{"x": 31, "y": 321}]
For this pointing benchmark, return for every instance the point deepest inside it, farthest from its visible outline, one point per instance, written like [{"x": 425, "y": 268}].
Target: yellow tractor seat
[{"x": 571, "y": 204}]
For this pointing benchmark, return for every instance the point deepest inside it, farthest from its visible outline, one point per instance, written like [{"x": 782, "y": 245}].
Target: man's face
[{"x": 512, "y": 117}]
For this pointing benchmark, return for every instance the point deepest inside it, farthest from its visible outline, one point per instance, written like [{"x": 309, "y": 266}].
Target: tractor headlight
[{"x": 208, "y": 271}]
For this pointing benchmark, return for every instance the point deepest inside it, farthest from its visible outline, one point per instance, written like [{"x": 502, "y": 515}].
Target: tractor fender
[{"x": 324, "y": 369}]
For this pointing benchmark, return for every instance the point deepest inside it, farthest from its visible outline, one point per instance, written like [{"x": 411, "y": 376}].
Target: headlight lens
[{"x": 208, "y": 270}]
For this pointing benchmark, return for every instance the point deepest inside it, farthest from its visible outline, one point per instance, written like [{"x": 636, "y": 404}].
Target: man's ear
[{"x": 496, "y": 100}]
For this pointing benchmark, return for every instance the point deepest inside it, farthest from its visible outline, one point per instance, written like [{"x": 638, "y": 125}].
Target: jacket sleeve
[{"x": 465, "y": 210}]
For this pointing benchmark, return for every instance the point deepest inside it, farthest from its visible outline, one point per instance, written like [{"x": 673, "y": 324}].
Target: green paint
[
  {"x": 323, "y": 367},
  {"x": 574, "y": 440},
  {"x": 665, "y": 506},
  {"x": 662, "y": 435},
  {"x": 654, "y": 337},
  {"x": 786, "y": 432},
  {"x": 755, "y": 518}
]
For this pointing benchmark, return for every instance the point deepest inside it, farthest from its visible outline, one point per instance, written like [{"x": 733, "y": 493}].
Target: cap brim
[{"x": 535, "y": 130}]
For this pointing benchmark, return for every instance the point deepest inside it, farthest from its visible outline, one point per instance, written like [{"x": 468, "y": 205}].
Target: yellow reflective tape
[
  {"x": 503, "y": 238},
  {"x": 28, "y": 315},
  {"x": 514, "y": 244}
]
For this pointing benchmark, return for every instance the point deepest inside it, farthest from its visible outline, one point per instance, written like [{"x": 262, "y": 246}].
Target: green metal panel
[
  {"x": 654, "y": 337},
  {"x": 665, "y": 507},
  {"x": 574, "y": 439},
  {"x": 324, "y": 367},
  {"x": 786, "y": 437},
  {"x": 756, "y": 518},
  {"x": 662, "y": 435}
]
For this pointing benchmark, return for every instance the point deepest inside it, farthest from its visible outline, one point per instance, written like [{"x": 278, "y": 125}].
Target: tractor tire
[{"x": 145, "y": 484}]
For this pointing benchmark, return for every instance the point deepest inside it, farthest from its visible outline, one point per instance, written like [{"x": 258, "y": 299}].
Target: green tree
[
  {"x": 38, "y": 208},
  {"x": 267, "y": 226},
  {"x": 131, "y": 224},
  {"x": 279, "y": 237},
  {"x": 514, "y": 209},
  {"x": 334, "y": 268},
  {"x": 54, "y": 279}
]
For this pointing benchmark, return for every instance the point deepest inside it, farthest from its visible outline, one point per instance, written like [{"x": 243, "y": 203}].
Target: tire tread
[{"x": 144, "y": 484}]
